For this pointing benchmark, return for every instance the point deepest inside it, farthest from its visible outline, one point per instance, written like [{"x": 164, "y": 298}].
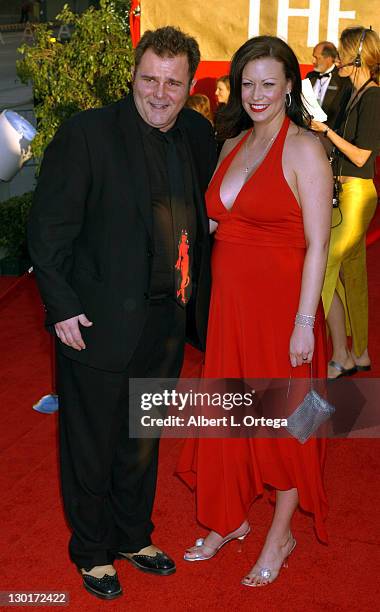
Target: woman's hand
[
  {"x": 213, "y": 225},
  {"x": 355, "y": 154},
  {"x": 318, "y": 126},
  {"x": 301, "y": 346}
]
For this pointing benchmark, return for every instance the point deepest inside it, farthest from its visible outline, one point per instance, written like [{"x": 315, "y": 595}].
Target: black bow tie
[{"x": 324, "y": 75}]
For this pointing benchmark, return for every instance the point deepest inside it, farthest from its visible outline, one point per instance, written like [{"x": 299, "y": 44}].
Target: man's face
[
  {"x": 321, "y": 63},
  {"x": 160, "y": 88}
]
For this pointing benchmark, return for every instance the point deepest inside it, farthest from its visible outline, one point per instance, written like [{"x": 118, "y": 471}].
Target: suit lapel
[
  {"x": 312, "y": 78},
  {"x": 331, "y": 92},
  {"x": 135, "y": 162}
]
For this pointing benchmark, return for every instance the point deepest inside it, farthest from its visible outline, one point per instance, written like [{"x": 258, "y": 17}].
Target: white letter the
[
  {"x": 313, "y": 12},
  {"x": 333, "y": 20},
  {"x": 254, "y": 18}
]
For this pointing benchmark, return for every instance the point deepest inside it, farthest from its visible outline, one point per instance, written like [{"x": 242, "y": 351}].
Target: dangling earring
[{"x": 288, "y": 101}]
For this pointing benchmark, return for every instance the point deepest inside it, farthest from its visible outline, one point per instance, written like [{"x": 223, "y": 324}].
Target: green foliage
[
  {"x": 13, "y": 218},
  {"x": 122, "y": 7},
  {"x": 91, "y": 70}
]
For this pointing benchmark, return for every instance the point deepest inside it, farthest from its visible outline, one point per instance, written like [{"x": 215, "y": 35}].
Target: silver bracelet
[{"x": 303, "y": 320}]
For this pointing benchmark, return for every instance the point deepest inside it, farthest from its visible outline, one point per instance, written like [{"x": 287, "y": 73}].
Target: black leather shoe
[
  {"x": 107, "y": 587},
  {"x": 159, "y": 563}
]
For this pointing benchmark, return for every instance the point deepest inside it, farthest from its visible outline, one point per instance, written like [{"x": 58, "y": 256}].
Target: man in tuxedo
[
  {"x": 331, "y": 90},
  {"x": 119, "y": 188}
]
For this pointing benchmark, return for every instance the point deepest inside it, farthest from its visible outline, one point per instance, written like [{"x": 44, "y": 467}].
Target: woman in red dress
[{"x": 270, "y": 201}]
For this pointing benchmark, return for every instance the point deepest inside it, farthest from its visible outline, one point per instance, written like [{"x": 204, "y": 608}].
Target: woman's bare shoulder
[
  {"x": 298, "y": 136},
  {"x": 303, "y": 144},
  {"x": 230, "y": 144}
]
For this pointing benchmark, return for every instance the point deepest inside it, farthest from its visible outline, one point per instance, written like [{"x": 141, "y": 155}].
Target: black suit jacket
[
  {"x": 90, "y": 230},
  {"x": 337, "y": 96}
]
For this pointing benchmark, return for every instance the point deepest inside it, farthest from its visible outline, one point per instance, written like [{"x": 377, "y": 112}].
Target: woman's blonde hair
[{"x": 356, "y": 37}]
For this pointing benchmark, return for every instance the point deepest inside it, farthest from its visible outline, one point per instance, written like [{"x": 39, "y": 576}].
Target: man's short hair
[
  {"x": 169, "y": 42},
  {"x": 328, "y": 49}
]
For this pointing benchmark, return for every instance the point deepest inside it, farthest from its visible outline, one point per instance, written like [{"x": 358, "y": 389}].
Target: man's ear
[
  {"x": 193, "y": 82},
  {"x": 133, "y": 70}
]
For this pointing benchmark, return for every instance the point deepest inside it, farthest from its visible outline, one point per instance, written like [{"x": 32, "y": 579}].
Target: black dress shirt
[{"x": 166, "y": 236}]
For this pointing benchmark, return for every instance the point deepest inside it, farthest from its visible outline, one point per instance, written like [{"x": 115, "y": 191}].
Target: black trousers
[{"x": 109, "y": 480}]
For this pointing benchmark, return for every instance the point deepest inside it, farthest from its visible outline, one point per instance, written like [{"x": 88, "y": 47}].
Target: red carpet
[{"x": 341, "y": 576}]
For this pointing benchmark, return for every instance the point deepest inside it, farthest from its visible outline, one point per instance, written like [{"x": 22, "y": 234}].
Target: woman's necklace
[{"x": 248, "y": 169}]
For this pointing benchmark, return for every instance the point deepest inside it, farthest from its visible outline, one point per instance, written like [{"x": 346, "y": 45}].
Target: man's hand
[{"x": 69, "y": 333}]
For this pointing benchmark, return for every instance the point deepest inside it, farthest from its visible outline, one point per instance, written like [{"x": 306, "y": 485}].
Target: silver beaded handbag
[{"x": 309, "y": 414}]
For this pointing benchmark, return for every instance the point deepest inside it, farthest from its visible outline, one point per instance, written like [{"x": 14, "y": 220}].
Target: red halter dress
[{"x": 257, "y": 265}]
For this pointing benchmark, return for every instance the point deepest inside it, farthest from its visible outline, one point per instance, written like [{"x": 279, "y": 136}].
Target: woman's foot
[
  {"x": 362, "y": 363},
  {"x": 272, "y": 558},
  {"x": 341, "y": 364},
  {"x": 206, "y": 548}
]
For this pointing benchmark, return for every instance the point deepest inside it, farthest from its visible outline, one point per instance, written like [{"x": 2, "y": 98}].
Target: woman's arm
[
  {"x": 355, "y": 154},
  {"x": 315, "y": 189}
]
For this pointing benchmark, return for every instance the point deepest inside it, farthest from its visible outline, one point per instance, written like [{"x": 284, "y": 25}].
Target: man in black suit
[
  {"x": 331, "y": 90},
  {"x": 119, "y": 239}
]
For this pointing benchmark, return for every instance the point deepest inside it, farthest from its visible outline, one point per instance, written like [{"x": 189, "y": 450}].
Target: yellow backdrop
[{"x": 223, "y": 25}]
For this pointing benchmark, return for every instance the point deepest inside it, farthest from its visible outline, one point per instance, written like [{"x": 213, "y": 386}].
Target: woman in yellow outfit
[{"x": 345, "y": 293}]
